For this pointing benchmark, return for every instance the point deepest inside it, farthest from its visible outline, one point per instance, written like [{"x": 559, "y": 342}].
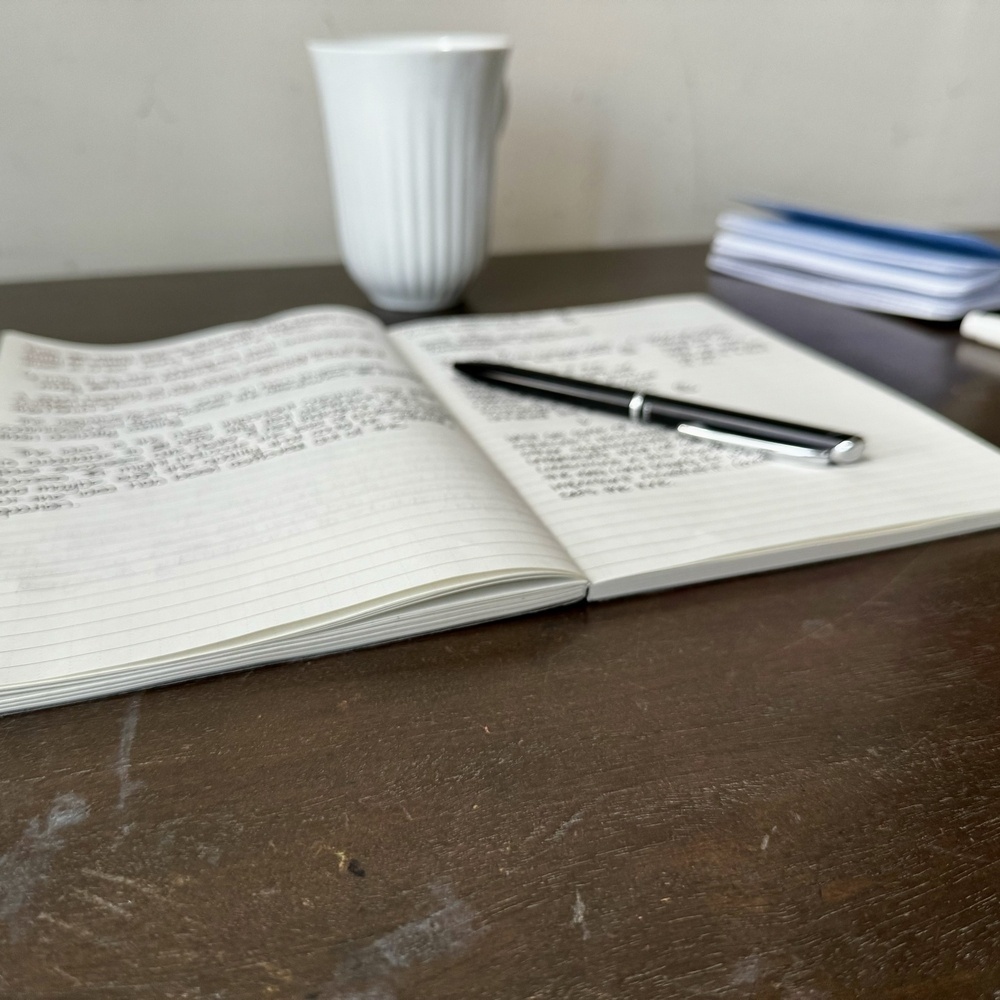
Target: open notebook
[{"x": 314, "y": 482}]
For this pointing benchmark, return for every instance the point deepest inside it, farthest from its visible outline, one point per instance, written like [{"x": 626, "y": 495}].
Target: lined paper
[
  {"x": 229, "y": 488},
  {"x": 640, "y": 507}
]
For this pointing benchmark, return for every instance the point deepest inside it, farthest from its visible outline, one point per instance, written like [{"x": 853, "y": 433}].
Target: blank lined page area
[
  {"x": 291, "y": 471},
  {"x": 366, "y": 522},
  {"x": 634, "y": 504},
  {"x": 779, "y": 505}
]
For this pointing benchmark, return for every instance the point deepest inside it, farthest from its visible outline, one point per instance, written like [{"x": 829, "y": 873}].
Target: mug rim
[{"x": 413, "y": 43}]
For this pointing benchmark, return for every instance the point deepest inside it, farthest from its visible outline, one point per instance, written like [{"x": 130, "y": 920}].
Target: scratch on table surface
[
  {"x": 123, "y": 880},
  {"x": 342, "y": 858},
  {"x": 367, "y": 973},
  {"x": 828, "y": 627},
  {"x": 210, "y": 853},
  {"x": 104, "y": 904},
  {"x": 747, "y": 971},
  {"x": 566, "y": 826},
  {"x": 579, "y": 916},
  {"x": 816, "y": 628},
  {"x": 27, "y": 862},
  {"x": 803, "y": 993},
  {"x": 67, "y": 976},
  {"x": 123, "y": 762}
]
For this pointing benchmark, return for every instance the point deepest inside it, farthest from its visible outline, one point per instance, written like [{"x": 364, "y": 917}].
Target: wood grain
[{"x": 784, "y": 786}]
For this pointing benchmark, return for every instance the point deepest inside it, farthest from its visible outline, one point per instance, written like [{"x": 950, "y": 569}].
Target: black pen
[{"x": 707, "y": 423}]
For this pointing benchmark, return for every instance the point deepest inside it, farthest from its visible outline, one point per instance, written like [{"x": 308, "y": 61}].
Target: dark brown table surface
[{"x": 781, "y": 786}]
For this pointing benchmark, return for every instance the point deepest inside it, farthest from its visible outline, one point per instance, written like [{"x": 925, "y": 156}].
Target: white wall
[{"x": 143, "y": 135}]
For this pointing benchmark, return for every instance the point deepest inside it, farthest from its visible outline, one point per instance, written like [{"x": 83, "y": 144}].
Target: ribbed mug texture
[{"x": 411, "y": 138}]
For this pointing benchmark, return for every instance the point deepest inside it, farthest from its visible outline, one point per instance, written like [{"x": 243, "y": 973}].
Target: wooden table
[{"x": 782, "y": 786}]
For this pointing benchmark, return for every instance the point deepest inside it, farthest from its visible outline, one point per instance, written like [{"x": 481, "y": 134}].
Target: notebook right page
[{"x": 640, "y": 507}]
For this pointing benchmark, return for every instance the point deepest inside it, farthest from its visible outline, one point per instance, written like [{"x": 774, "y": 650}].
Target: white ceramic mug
[{"x": 411, "y": 123}]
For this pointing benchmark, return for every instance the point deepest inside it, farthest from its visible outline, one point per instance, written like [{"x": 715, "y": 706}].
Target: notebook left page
[{"x": 220, "y": 487}]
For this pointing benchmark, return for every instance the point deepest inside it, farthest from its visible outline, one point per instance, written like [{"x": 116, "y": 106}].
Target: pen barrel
[
  {"x": 673, "y": 412},
  {"x": 557, "y": 387}
]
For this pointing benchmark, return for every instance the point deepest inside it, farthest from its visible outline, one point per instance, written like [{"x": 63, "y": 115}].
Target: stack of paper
[{"x": 921, "y": 273}]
